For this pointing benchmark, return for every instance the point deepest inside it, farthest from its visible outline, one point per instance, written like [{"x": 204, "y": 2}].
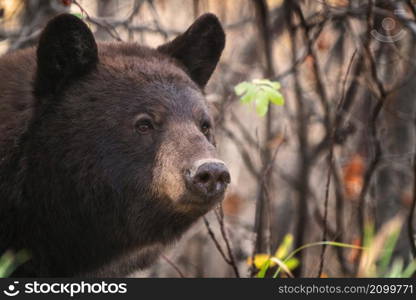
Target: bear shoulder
[{"x": 16, "y": 98}]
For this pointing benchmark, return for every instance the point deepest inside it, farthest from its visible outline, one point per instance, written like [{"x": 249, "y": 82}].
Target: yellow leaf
[
  {"x": 284, "y": 247},
  {"x": 260, "y": 260}
]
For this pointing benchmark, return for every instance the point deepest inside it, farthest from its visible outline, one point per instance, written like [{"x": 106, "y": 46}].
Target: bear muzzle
[{"x": 208, "y": 178}]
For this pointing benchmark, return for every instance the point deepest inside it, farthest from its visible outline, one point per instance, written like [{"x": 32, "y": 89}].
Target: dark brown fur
[{"x": 80, "y": 188}]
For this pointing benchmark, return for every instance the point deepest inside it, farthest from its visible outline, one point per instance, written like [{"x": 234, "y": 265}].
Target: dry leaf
[
  {"x": 353, "y": 177},
  {"x": 354, "y": 252}
]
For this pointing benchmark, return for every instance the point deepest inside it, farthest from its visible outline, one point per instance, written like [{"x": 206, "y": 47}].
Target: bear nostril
[
  {"x": 225, "y": 177},
  {"x": 210, "y": 179},
  {"x": 204, "y": 177}
]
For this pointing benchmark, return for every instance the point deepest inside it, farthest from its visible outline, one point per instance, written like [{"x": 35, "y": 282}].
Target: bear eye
[
  {"x": 205, "y": 128},
  {"x": 144, "y": 125}
]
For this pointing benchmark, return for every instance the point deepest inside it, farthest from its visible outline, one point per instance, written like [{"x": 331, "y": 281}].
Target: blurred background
[{"x": 331, "y": 171}]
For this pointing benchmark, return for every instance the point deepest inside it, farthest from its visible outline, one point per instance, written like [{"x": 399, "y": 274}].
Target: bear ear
[
  {"x": 199, "y": 48},
  {"x": 66, "y": 50}
]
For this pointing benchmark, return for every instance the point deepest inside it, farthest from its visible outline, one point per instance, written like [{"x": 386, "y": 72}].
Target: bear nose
[{"x": 209, "y": 179}]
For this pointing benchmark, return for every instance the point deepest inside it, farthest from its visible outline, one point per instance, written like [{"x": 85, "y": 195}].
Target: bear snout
[{"x": 208, "y": 178}]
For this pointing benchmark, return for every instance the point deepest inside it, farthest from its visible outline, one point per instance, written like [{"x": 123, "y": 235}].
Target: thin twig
[
  {"x": 111, "y": 31},
  {"x": 325, "y": 231},
  {"x": 214, "y": 239},
  {"x": 330, "y": 163},
  {"x": 174, "y": 266},
  {"x": 220, "y": 218}
]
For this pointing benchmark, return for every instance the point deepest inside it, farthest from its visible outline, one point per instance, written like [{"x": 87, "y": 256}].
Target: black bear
[{"x": 107, "y": 151}]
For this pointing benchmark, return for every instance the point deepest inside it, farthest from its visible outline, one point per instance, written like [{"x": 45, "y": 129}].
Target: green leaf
[
  {"x": 368, "y": 234},
  {"x": 242, "y": 88},
  {"x": 6, "y": 261},
  {"x": 292, "y": 263},
  {"x": 79, "y": 15},
  {"x": 10, "y": 261},
  {"x": 263, "y": 269},
  {"x": 273, "y": 84},
  {"x": 336, "y": 244},
  {"x": 388, "y": 251},
  {"x": 277, "y": 98},
  {"x": 409, "y": 270},
  {"x": 396, "y": 269},
  {"x": 250, "y": 95},
  {"x": 273, "y": 95},
  {"x": 260, "y": 91},
  {"x": 262, "y": 104}
]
